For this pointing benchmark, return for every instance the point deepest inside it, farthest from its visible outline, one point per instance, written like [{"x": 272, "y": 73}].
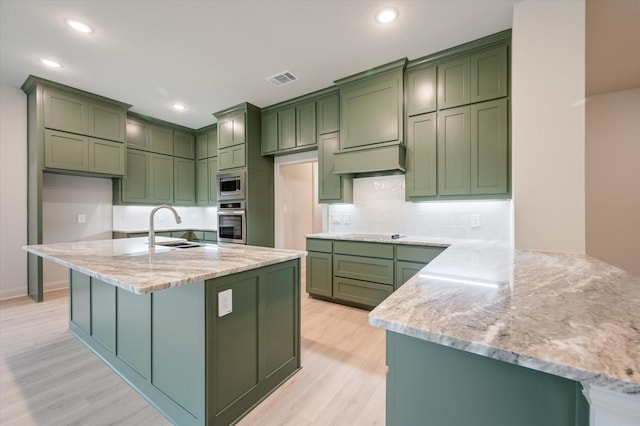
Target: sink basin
[{"x": 179, "y": 244}]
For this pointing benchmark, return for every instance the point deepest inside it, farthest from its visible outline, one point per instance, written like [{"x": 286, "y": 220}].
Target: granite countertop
[
  {"x": 384, "y": 238},
  {"x": 129, "y": 263}
]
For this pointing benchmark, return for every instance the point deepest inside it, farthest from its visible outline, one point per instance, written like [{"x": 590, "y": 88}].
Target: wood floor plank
[{"x": 47, "y": 377}]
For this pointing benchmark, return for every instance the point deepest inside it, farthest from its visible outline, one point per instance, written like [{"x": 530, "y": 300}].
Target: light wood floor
[{"x": 47, "y": 377}]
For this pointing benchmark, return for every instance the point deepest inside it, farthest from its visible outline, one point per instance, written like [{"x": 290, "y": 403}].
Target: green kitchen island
[{"x": 203, "y": 333}]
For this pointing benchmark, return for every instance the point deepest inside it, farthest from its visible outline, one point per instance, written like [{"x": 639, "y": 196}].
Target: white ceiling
[{"x": 214, "y": 54}]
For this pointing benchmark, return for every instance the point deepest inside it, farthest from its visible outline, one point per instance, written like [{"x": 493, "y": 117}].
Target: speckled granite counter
[
  {"x": 565, "y": 314},
  {"x": 129, "y": 264}
]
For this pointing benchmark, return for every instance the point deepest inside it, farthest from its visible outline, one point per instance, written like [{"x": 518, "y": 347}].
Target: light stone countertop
[
  {"x": 128, "y": 263},
  {"x": 146, "y": 230},
  {"x": 570, "y": 315}
]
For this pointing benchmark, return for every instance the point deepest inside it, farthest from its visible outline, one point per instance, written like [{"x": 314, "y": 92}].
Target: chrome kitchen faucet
[{"x": 152, "y": 232}]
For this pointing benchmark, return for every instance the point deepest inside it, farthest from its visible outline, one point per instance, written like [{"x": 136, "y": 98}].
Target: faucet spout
[{"x": 152, "y": 232}]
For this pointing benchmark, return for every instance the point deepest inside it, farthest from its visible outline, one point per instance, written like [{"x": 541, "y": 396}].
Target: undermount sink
[{"x": 179, "y": 244}]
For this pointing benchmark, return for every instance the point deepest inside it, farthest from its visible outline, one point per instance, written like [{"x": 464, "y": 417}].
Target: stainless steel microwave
[{"x": 231, "y": 186}]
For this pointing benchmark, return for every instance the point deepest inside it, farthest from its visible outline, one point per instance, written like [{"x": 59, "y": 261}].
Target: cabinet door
[
  {"x": 306, "y": 124},
  {"x": 213, "y": 185},
  {"x": 405, "y": 271},
  {"x": 287, "y": 128},
  {"x": 269, "y": 132},
  {"x": 489, "y": 147},
  {"x": 134, "y": 330},
  {"x": 136, "y": 186},
  {"x": 80, "y": 300},
  {"x": 161, "y": 178},
  {"x": 65, "y": 112},
  {"x": 489, "y": 74},
  {"x": 103, "y": 313},
  {"x": 107, "y": 122},
  {"x": 202, "y": 182},
  {"x": 328, "y": 114},
  {"x": 320, "y": 274},
  {"x": 453, "y": 83},
  {"x": 454, "y": 152},
  {"x": 372, "y": 110},
  {"x": 331, "y": 188},
  {"x": 232, "y": 157},
  {"x": 201, "y": 146},
  {"x": 160, "y": 139},
  {"x": 137, "y": 135},
  {"x": 184, "y": 181},
  {"x": 421, "y": 91},
  {"x": 231, "y": 129},
  {"x": 422, "y": 159},
  {"x": 106, "y": 157},
  {"x": 183, "y": 145},
  {"x": 65, "y": 151},
  {"x": 212, "y": 142}
]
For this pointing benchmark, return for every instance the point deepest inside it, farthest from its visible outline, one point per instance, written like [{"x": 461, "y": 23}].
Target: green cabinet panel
[
  {"x": 106, "y": 122},
  {"x": 489, "y": 147},
  {"x": 184, "y": 181},
  {"x": 213, "y": 185},
  {"x": 454, "y": 152},
  {"x": 136, "y": 185},
  {"x": 331, "y": 188},
  {"x": 421, "y": 91},
  {"x": 269, "y": 132},
  {"x": 106, "y": 157},
  {"x": 65, "y": 112},
  {"x": 371, "y": 110},
  {"x": 328, "y": 108},
  {"x": 202, "y": 182},
  {"x": 211, "y": 236},
  {"x": 80, "y": 300},
  {"x": 160, "y": 139},
  {"x": 383, "y": 251},
  {"x": 231, "y": 129},
  {"x": 177, "y": 345},
  {"x": 137, "y": 134},
  {"x": 184, "y": 145},
  {"x": 421, "y": 157},
  {"x": 364, "y": 268},
  {"x": 280, "y": 325},
  {"x": 453, "y": 83},
  {"x": 207, "y": 142},
  {"x": 65, "y": 151},
  {"x": 319, "y": 273},
  {"x": 361, "y": 292},
  {"x": 426, "y": 380},
  {"x": 161, "y": 178},
  {"x": 489, "y": 72},
  {"x": 232, "y": 157},
  {"x": 321, "y": 245},
  {"x": 306, "y": 124},
  {"x": 212, "y": 142},
  {"x": 202, "y": 149},
  {"x": 133, "y": 317},
  {"x": 287, "y": 128},
  {"x": 103, "y": 313},
  {"x": 406, "y": 270},
  {"x": 422, "y": 254}
]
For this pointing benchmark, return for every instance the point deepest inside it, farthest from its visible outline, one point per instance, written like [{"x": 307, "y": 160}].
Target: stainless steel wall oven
[{"x": 232, "y": 222}]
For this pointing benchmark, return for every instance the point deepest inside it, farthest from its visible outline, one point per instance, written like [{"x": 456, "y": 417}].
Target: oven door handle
[{"x": 231, "y": 212}]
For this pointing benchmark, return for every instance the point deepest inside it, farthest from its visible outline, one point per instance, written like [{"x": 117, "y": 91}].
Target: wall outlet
[
  {"x": 335, "y": 219},
  {"x": 82, "y": 218},
  {"x": 346, "y": 219},
  {"x": 475, "y": 221},
  {"x": 225, "y": 302}
]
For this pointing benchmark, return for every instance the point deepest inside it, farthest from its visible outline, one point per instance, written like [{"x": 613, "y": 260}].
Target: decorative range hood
[{"x": 375, "y": 160}]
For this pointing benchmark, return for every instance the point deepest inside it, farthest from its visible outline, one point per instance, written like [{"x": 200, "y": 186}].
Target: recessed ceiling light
[
  {"x": 386, "y": 15},
  {"x": 50, "y": 63},
  {"x": 179, "y": 107},
  {"x": 79, "y": 26}
]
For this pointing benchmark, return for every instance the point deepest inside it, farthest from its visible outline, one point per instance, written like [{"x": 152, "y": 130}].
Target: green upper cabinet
[
  {"x": 288, "y": 128},
  {"x": 137, "y": 134},
  {"x": 135, "y": 187},
  {"x": 161, "y": 178},
  {"x": 306, "y": 134},
  {"x": 422, "y": 160},
  {"x": 207, "y": 142},
  {"x": 184, "y": 181},
  {"x": 489, "y": 74},
  {"x": 331, "y": 188},
  {"x": 212, "y": 141},
  {"x": 454, "y": 151},
  {"x": 213, "y": 186},
  {"x": 328, "y": 108},
  {"x": 160, "y": 139},
  {"x": 371, "y": 107},
  {"x": 201, "y": 146},
  {"x": 421, "y": 91},
  {"x": 489, "y": 147},
  {"x": 106, "y": 157},
  {"x": 453, "y": 83},
  {"x": 269, "y": 132},
  {"x": 232, "y": 157},
  {"x": 107, "y": 122},
  {"x": 184, "y": 144},
  {"x": 231, "y": 129},
  {"x": 202, "y": 182}
]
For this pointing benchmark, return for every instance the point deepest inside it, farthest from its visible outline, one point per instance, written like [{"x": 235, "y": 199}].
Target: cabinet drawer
[
  {"x": 384, "y": 251},
  {"x": 319, "y": 245},
  {"x": 361, "y": 292},
  {"x": 422, "y": 254},
  {"x": 363, "y": 268}
]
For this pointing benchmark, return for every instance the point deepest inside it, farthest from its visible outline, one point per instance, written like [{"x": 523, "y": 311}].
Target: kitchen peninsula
[{"x": 203, "y": 333}]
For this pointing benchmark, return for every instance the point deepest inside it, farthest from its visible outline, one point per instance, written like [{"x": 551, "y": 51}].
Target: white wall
[
  {"x": 548, "y": 121},
  {"x": 379, "y": 208},
  {"x": 613, "y": 178},
  {"x": 13, "y": 192}
]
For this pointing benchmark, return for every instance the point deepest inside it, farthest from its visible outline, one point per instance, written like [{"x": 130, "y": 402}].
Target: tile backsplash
[
  {"x": 136, "y": 218},
  {"x": 379, "y": 207}
]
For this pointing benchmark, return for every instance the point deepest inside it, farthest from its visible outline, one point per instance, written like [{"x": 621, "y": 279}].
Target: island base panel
[{"x": 428, "y": 383}]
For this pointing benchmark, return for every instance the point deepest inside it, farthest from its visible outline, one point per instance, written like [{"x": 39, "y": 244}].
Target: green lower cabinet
[
  {"x": 427, "y": 382},
  {"x": 319, "y": 274},
  {"x": 363, "y": 293},
  {"x": 194, "y": 366},
  {"x": 405, "y": 271}
]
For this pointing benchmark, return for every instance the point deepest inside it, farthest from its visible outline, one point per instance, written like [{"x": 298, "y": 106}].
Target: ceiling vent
[{"x": 280, "y": 79}]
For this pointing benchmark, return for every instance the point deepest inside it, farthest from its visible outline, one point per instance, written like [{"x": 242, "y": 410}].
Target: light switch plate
[
  {"x": 225, "y": 302},
  {"x": 82, "y": 218}
]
